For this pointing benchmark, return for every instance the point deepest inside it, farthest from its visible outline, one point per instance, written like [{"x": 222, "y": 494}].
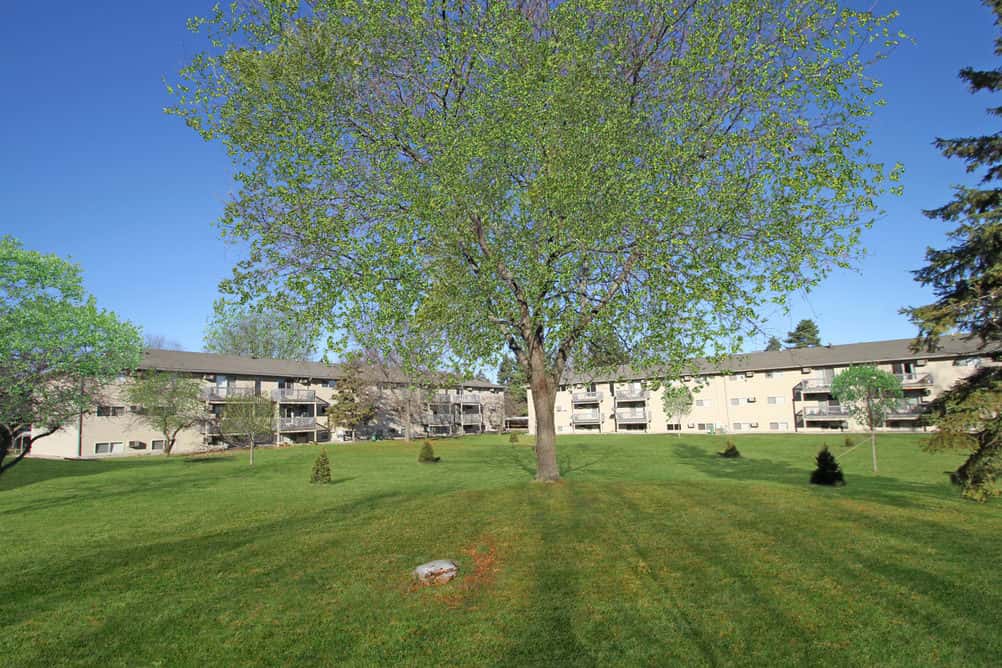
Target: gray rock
[{"x": 436, "y": 572}]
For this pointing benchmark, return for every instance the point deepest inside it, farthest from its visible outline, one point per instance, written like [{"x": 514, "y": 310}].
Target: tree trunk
[
  {"x": 252, "y": 450},
  {"x": 543, "y": 399},
  {"x": 873, "y": 447}
]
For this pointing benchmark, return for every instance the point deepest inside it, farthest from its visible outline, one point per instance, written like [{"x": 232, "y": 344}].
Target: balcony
[
  {"x": 631, "y": 394},
  {"x": 816, "y": 386},
  {"x": 469, "y": 399},
  {"x": 289, "y": 396},
  {"x": 826, "y": 413},
  {"x": 586, "y": 397},
  {"x": 227, "y": 393},
  {"x": 296, "y": 423},
  {"x": 472, "y": 418},
  {"x": 914, "y": 380},
  {"x": 906, "y": 412},
  {"x": 631, "y": 415},
  {"x": 438, "y": 419},
  {"x": 586, "y": 417}
]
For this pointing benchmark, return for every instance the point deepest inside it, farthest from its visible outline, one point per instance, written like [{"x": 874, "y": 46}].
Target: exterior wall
[
  {"x": 295, "y": 400},
  {"x": 758, "y": 401}
]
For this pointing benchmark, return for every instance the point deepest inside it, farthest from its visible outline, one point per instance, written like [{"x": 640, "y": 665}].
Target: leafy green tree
[
  {"x": 58, "y": 350},
  {"x": 168, "y": 402},
  {"x": 532, "y": 176},
  {"x": 966, "y": 278},
  {"x": 677, "y": 402},
  {"x": 512, "y": 376},
  {"x": 804, "y": 335},
  {"x": 870, "y": 395},
  {"x": 246, "y": 421},
  {"x": 238, "y": 330},
  {"x": 774, "y": 345},
  {"x": 353, "y": 405}
]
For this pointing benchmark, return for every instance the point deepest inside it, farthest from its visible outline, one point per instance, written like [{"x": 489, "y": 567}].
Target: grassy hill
[{"x": 653, "y": 551}]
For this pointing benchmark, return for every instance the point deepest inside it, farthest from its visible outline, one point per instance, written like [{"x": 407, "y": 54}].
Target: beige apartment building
[
  {"x": 300, "y": 393},
  {"x": 768, "y": 392}
]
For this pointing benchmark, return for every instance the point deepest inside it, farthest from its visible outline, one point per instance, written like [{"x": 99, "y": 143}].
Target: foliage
[
  {"x": 730, "y": 451},
  {"x": 321, "y": 469},
  {"x": 160, "y": 342},
  {"x": 246, "y": 421},
  {"x": 774, "y": 345},
  {"x": 537, "y": 177},
  {"x": 966, "y": 278},
  {"x": 238, "y": 330},
  {"x": 353, "y": 405},
  {"x": 869, "y": 395},
  {"x": 848, "y": 442},
  {"x": 676, "y": 400},
  {"x": 168, "y": 402},
  {"x": 968, "y": 418},
  {"x": 827, "y": 471},
  {"x": 58, "y": 350},
  {"x": 513, "y": 438},
  {"x": 805, "y": 335},
  {"x": 427, "y": 454},
  {"x": 512, "y": 376}
]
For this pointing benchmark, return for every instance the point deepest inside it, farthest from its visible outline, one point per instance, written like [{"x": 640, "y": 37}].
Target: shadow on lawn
[
  {"x": 882, "y": 488},
  {"x": 31, "y": 471}
]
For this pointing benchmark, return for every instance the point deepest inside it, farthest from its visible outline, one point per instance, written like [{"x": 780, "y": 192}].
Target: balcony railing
[
  {"x": 914, "y": 379},
  {"x": 295, "y": 423},
  {"x": 438, "y": 419},
  {"x": 467, "y": 399},
  {"x": 815, "y": 385},
  {"x": 631, "y": 395},
  {"x": 446, "y": 398},
  {"x": 586, "y": 417},
  {"x": 226, "y": 393},
  {"x": 472, "y": 419},
  {"x": 287, "y": 395},
  {"x": 906, "y": 412},
  {"x": 826, "y": 413},
  {"x": 631, "y": 415},
  {"x": 586, "y": 397}
]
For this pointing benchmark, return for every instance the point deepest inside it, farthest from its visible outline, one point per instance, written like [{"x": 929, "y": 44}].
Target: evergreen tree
[
  {"x": 321, "y": 469},
  {"x": 828, "y": 472},
  {"x": 966, "y": 278},
  {"x": 427, "y": 454},
  {"x": 512, "y": 376},
  {"x": 774, "y": 345},
  {"x": 804, "y": 335},
  {"x": 353, "y": 404}
]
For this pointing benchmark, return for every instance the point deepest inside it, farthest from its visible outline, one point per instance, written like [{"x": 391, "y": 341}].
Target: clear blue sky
[{"x": 92, "y": 169}]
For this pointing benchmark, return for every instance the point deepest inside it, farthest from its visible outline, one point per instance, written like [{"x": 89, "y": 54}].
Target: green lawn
[{"x": 654, "y": 551}]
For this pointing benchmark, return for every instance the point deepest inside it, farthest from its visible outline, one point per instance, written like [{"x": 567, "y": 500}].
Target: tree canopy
[
  {"x": 805, "y": 335},
  {"x": 58, "y": 350},
  {"x": 774, "y": 345},
  {"x": 966, "y": 278},
  {"x": 238, "y": 330},
  {"x": 532, "y": 176},
  {"x": 869, "y": 395}
]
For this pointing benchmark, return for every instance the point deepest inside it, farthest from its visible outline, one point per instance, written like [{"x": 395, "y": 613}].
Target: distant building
[
  {"x": 300, "y": 393},
  {"x": 768, "y": 392}
]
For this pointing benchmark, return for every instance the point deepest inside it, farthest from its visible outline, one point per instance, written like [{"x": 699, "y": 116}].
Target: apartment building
[
  {"x": 300, "y": 394},
  {"x": 767, "y": 392}
]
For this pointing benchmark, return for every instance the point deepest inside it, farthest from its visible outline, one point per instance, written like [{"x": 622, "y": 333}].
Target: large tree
[
  {"x": 168, "y": 402},
  {"x": 265, "y": 333},
  {"x": 804, "y": 335},
  {"x": 966, "y": 278},
  {"x": 869, "y": 395},
  {"x": 58, "y": 350},
  {"x": 532, "y": 176}
]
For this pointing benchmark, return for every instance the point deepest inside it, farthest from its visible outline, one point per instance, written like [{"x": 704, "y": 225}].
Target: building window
[
  {"x": 110, "y": 411},
  {"x": 702, "y": 403},
  {"x": 779, "y": 426},
  {"x": 736, "y": 426},
  {"x": 158, "y": 444},
  {"x": 735, "y": 401},
  {"x": 674, "y": 427},
  {"x": 107, "y": 448},
  {"x": 967, "y": 361},
  {"x": 775, "y": 401}
]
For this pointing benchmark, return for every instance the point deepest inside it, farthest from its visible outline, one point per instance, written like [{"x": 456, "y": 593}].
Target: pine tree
[
  {"x": 828, "y": 472},
  {"x": 321, "y": 469},
  {"x": 774, "y": 345},
  {"x": 966, "y": 278},
  {"x": 427, "y": 454},
  {"x": 730, "y": 451},
  {"x": 804, "y": 335},
  {"x": 353, "y": 405}
]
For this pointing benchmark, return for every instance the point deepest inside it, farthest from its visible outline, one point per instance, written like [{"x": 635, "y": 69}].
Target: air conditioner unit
[
  {"x": 751, "y": 400},
  {"x": 692, "y": 425},
  {"x": 686, "y": 378},
  {"x": 749, "y": 374},
  {"x": 211, "y": 377},
  {"x": 754, "y": 425},
  {"x": 806, "y": 370},
  {"x": 921, "y": 362},
  {"x": 137, "y": 445}
]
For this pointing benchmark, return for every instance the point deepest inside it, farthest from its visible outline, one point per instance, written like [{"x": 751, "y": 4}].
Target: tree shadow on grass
[
  {"x": 884, "y": 489},
  {"x": 31, "y": 471}
]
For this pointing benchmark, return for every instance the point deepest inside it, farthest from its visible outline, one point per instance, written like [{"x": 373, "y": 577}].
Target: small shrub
[
  {"x": 513, "y": 438},
  {"x": 321, "y": 469},
  {"x": 849, "y": 443},
  {"x": 828, "y": 472},
  {"x": 730, "y": 450},
  {"x": 427, "y": 454}
]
